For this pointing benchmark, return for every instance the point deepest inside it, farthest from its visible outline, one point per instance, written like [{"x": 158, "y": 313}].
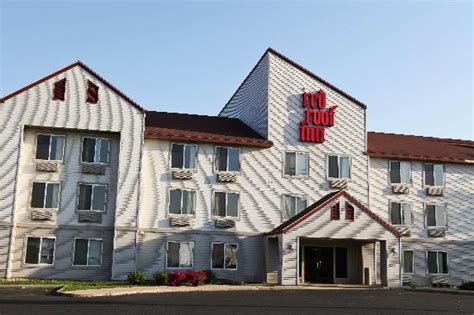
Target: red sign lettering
[{"x": 316, "y": 117}]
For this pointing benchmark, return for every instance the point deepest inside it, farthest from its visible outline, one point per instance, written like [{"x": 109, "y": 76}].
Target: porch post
[
  {"x": 400, "y": 268},
  {"x": 298, "y": 260}
]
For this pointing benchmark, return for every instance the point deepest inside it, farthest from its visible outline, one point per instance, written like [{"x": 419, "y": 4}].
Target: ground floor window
[
  {"x": 408, "y": 261},
  {"x": 437, "y": 262},
  {"x": 40, "y": 250},
  {"x": 180, "y": 254},
  {"x": 224, "y": 256},
  {"x": 87, "y": 252}
]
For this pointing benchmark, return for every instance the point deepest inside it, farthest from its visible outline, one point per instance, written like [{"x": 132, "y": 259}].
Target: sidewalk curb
[{"x": 446, "y": 291}]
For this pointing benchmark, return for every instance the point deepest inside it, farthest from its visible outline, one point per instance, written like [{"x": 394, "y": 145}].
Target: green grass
[{"x": 72, "y": 285}]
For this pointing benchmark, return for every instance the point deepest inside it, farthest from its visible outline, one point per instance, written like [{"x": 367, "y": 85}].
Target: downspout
[
  {"x": 13, "y": 220},
  {"x": 400, "y": 262}
]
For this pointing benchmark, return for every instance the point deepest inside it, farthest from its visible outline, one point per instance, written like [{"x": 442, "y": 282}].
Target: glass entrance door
[{"x": 319, "y": 264}]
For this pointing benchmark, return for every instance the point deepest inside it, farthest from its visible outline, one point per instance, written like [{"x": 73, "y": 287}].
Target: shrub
[
  {"x": 161, "y": 278},
  {"x": 137, "y": 277},
  {"x": 196, "y": 278},
  {"x": 467, "y": 285},
  {"x": 210, "y": 276},
  {"x": 177, "y": 278}
]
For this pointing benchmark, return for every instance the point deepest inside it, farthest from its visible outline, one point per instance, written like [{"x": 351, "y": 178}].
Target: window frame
[
  {"x": 95, "y": 138},
  {"x": 183, "y": 168},
  {"x": 106, "y": 203},
  {"x": 53, "y": 237},
  {"x": 437, "y": 251},
  {"x": 283, "y": 196},
  {"x": 169, "y": 202},
  {"x": 401, "y": 213},
  {"x": 179, "y": 265},
  {"x": 49, "y": 153},
  {"x": 224, "y": 267},
  {"x": 390, "y": 170},
  {"x": 296, "y": 152},
  {"x": 412, "y": 262},
  {"x": 216, "y": 171},
  {"x": 445, "y": 215},
  {"x": 226, "y": 204},
  {"x": 338, "y": 165},
  {"x": 45, "y": 195},
  {"x": 424, "y": 174},
  {"x": 88, "y": 248}
]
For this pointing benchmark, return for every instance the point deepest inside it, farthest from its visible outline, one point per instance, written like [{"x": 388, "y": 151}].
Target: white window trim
[
  {"x": 92, "y": 196},
  {"x": 96, "y": 138},
  {"x": 437, "y": 262},
  {"x": 424, "y": 175},
  {"x": 181, "y": 214},
  {"x": 49, "y": 154},
  {"x": 401, "y": 213},
  {"x": 194, "y": 169},
  {"x": 412, "y": 263},
  {"x": 296, "y": 164},
  {"x": 88, "y": 248},
  {"x": 390, "y": 170},
  {"x": 179, "y": 242},
  {"x": 39, "y": 252},
  {"x": 224, "y": 267},
  {"x": 283, "y": 196},
  {"x": 45, "y": 194},
  {"x": 338, "y": 166},
  {"x": 227, "y": 163},
  {"x": 226, "y": 205},
  {"x": 445, "y": 214}
]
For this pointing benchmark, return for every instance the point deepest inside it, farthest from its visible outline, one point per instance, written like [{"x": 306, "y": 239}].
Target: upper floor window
[
  {"x": 401, "y": 214},
  {"x": 179, "y": 254},
  {"x": 224, "y": 256},
  {"x": 40, "y": 250},
  {"x": 226, "y": 204},
  {"x": 408, "y": 261},
  {"x": 227, "y": 159},
  {"x": 92, "y": 94},
  {"x": 181, "y": 201},
  {"x": 434, "y": 174},
  {"x": 296, "y": 163},
  {"x": 45, "y": 195},
  {"x": 87, "y": 252},
  {"x": 339, "y": 166},
  {"x": 49, "y": 147},
  {"x": 59, "y": 90},
  {"x": 292, "y": 205},
  {"x": 437, "y": 262},
  {"x": 92, "y": 197},
  {"x": 95, "y": 150},
  {"x": 183, "y": 156},
  {"x": 436, "y": 215},
  {"x": 400, "y": 172}
]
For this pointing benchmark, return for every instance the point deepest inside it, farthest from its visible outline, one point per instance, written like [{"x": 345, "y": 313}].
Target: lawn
[{"x": 72, "y": 285}]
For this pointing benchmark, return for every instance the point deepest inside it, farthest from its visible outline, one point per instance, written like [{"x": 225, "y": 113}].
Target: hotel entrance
[{"x": 323, "y": 264}]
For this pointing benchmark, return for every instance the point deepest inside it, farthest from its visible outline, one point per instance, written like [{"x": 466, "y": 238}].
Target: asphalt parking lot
[{"x": 44, "y": 301}]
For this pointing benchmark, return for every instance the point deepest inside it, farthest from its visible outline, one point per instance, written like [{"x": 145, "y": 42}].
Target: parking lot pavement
[{"x": 44, "y": 301}]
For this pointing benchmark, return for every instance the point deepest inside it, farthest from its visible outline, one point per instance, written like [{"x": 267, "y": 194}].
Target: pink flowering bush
[
  {"x": 194, "y": 278},
  {"x": 177, "y": 278}
]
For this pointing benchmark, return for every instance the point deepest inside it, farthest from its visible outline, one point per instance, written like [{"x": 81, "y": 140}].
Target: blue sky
[{"x": 410, "y": 62}]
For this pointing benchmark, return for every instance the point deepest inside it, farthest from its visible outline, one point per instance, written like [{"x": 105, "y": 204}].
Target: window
[
  {"x": 339, "y": 166},
  {"x": 224, "y": 256},
  {"x": 49, "y": 147},
  {"x": 92, "y": 95},
  {"x": 434, "y": 175},
  {"x": 408, "y": 261},
  {"x": 181, "y": 201},
  {"x": 436, "y": 215},
  {"x": 40, "y": 250},
  {"x": 400, "y": 172},
  {"x": 227, "y": 159},
  {"x": 92, "y": 197},
  {"x": 292, "y": 205},
  {"x": 335, "y": 211},
  {"x": 437, "y": 262},
  {"x": 183, "y": 156},
  {"x": 59, "y": 90},
  {"x": 296, "y": 163},
  {"x": 87, "y": 252},
  {"x": 45, "y": 195},
  {"x": 95, "y": 150},
  {"x": 180, "y": 255},
  {"x": 226, "y": 204},
  {"x": 401, "y": 214}
]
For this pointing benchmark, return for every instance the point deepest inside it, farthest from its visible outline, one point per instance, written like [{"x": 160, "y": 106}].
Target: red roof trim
[
  {"x": 86, "y": 68},
  {"x": 285, "y": 227},
  {"x": 194, "y": 136}
]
